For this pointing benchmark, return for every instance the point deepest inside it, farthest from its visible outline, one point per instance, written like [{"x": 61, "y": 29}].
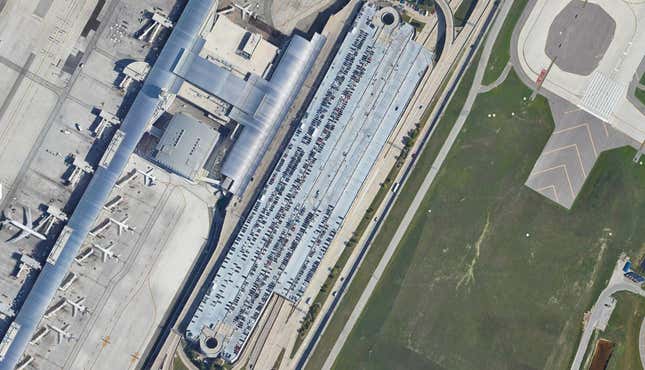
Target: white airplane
[
  {"x": 62, "y": 332},
  {"x": 148, "y": 179},
  {"x": 77, "y": 306},
  {"x": 246, "y": 11},
  {"x": 106, "y": 252},
  {"x": 25, "y": 228},
  {"x": 121, "y": 224}
]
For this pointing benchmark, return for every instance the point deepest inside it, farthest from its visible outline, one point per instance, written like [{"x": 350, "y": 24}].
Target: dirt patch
[
  {"x": 469, "y": 276},
  {"x": 601, "y": 355}
]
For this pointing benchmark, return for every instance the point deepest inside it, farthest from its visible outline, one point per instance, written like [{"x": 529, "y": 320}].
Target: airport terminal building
[
  {"x": 302, "y": 206},
  {"x": 187, "y": 67}
]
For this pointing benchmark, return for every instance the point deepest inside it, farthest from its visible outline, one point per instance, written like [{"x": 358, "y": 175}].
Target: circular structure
[
  {"x": 387, "y": 18},
  {"x": 211, "y": 343},
  {"x": 579, "y": 37}
]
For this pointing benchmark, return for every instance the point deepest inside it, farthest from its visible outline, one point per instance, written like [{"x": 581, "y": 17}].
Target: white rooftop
[{"x": 226, "y": 42}]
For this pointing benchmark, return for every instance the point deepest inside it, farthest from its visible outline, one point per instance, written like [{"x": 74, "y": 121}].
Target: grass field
[
  {"x": 502, "y": 47},
  {"x": 640, "y": 94},
  {"x": 463, "y": 12},
  {"x": 623, "y": 329},
  {"x": 177, "y": 364},
  {"x": 467, "y": 288},
  {"x": 381, "y": 241}
]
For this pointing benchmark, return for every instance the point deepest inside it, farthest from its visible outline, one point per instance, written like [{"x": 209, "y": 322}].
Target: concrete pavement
[
  {"x": 407, "y": 219},
  {"x": 602, "y": 93},
  {"x": 446, "y": 10}
]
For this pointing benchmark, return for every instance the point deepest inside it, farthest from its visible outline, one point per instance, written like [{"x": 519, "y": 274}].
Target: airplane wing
[{"x": 21, "y": 235}]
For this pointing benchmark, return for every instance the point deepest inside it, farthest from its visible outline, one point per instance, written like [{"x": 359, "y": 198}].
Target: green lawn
[
  {"x": 502, "y": 54},
  {"x": 463, "y": 12},
  {"x": 623, "y": 329},
  {"x": 177, "y": 364},
  {"x": 467, "y": 289},
  {"x": 640, "y": 94},
  {"x": 381, "y": 241},
  {"x": 418, "y": 25}
]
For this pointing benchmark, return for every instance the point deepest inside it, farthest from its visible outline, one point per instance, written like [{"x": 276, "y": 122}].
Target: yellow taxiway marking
[
  {"x": 555, "y": 192},
  {"x": 135, "y": 356},
  {"x": 105, "y": 341},
  {"x": 566, "y": 173},
  {"x": 574, "y": 146}
]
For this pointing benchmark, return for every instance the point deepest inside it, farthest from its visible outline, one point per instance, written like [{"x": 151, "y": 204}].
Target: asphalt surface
[
  {"x": 579, "y": 37},
  {"x": 429, "y": 179},
  {"x": 450, "y": 20},
  {"x": 187, "y": 289}
]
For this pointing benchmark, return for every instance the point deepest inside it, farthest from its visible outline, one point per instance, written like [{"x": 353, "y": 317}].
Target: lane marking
[
  {"x": 555, "y": 192},
  {"x": 564, "y": 167},
  {"x": 575, "y": 146}
]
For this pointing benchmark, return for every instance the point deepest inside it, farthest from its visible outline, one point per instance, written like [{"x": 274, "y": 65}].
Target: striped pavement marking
[{"x": 565, "y": 162}]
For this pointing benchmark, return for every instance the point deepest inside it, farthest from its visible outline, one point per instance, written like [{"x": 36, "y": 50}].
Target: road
[
  {"x": 450, "y": 20},
  {"x": 407, "y": 219}
]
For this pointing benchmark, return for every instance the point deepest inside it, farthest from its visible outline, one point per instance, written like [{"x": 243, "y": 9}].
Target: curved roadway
[
  {"x": 407, "y": 219},
  {"x": 450, "y": 20}
]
